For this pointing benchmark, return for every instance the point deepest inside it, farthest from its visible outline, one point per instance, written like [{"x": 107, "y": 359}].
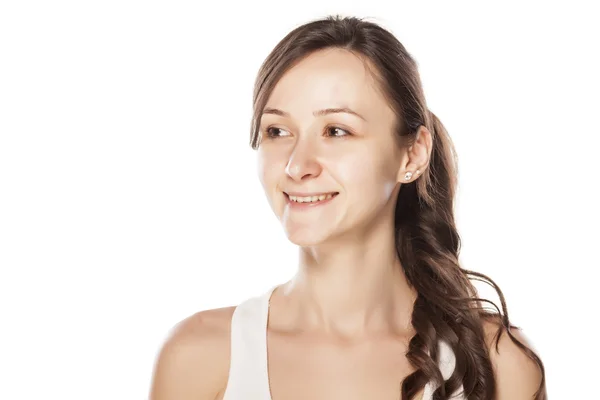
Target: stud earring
[
  {"x": 408, "y": 175},
  {"x": 418, "y": 172}
]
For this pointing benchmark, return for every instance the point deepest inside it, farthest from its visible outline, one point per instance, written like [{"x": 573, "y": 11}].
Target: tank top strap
[
  {"x": 446, "y": 364},
  {"x": 248, "y": 373},
  {"x": 447, "y": 359}
]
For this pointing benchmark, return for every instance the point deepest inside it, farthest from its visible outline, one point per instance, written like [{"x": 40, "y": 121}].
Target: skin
[{"x": 349, "y": 300}]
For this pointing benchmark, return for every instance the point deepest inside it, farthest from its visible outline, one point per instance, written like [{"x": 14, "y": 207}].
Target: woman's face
[{"x": 306, "y": 153}]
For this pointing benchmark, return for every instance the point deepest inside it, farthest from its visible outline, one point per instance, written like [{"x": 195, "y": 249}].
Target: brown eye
[
  {"x": 273, "y": 132},
  {"x": 336, "y": 131}
]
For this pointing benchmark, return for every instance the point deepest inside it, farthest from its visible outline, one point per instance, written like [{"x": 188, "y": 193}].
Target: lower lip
[{"x": 304, "y": 206}]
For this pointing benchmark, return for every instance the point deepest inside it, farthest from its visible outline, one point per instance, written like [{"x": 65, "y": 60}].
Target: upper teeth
[{"x": 310, "y": 199}]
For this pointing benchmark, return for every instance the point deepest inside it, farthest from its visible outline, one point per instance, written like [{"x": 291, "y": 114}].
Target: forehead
[{"x": 330, "y": 78}]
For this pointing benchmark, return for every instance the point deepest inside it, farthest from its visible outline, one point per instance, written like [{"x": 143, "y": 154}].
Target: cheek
[
  {"x": 264, "y": 163},
  {"x": 261, "y": 168},
  {"x": 269, "y": 168},
  {"x": 368, "y": 175}
]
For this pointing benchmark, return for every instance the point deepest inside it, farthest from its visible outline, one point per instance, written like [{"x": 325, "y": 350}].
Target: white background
[{"x": 129, "y": 197}]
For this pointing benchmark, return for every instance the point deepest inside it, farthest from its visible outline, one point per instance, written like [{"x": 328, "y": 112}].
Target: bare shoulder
[
  {"x": 193, "y": 363},
  {"x": 518, "y": 375}
]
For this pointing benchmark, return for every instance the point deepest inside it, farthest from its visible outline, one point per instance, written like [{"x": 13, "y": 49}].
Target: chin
[{"x": 306, "y": 237}]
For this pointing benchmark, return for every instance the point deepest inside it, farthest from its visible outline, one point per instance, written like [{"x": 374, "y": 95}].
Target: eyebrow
[{"x": 318, "y": 113}]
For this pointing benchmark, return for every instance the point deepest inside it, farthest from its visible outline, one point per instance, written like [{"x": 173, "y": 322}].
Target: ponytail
[{"x": 447, "y": 307}]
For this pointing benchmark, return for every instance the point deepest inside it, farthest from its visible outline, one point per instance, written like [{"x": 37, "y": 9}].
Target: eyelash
[{"x": 271, "y": 136}]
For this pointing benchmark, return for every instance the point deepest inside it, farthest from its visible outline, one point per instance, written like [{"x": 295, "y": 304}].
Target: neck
[{"x": 354, "y": 289}]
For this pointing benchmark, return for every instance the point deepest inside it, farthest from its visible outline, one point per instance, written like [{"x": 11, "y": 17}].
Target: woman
[{"x": 362, "y": 177}]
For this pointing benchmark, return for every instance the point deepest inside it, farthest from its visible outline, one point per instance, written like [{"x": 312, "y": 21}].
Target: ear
[{"x": 417, "y": 156}]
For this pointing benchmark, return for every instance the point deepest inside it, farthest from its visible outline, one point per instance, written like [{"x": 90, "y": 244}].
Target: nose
[{"x": 303, "y": 163}]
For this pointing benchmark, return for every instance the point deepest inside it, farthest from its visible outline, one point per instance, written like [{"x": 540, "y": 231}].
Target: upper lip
[{"x": 298, "y": 194}]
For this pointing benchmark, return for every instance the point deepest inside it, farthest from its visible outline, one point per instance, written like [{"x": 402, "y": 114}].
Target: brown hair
[{"x": 447, "y": 306}]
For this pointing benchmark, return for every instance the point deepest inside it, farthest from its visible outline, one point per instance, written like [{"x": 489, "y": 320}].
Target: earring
[
  {"x": 418, "y": 172},
  {"x": 408, "y": 175}
]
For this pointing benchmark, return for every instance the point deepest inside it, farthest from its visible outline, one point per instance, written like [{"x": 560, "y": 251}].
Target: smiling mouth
[{"x": 311, "y": 199}]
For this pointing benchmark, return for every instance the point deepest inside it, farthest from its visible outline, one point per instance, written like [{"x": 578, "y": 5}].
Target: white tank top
[{"x": 248, "y": 372}]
